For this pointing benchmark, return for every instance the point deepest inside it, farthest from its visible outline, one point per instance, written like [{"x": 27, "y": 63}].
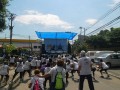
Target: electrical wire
[
  {"x": 106, "y": 14},
  {"x": 24, "y": 36},
  {"x": 105, "y": 25}
]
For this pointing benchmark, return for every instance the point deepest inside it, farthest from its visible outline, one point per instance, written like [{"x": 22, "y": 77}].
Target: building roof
[
  {"x": 18, "y": 40},
  {"x": 56, "y": 35}
]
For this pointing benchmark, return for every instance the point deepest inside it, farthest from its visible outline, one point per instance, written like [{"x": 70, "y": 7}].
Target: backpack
[
  {"x": 58, "y": 80},
  {"x": 36, "y": 85}
]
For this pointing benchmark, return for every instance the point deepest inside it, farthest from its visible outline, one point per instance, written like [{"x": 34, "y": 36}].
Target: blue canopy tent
[
  {"x": 56, "y": 42},
  {"x": 56, "y": 35}
]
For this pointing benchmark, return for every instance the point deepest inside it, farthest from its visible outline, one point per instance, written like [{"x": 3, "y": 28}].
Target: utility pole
[
  {"x": 11, "y": 18},
  {"x": 29, "y": 46},
  {"x": 80, "y": 30},
  {"x": 84, "y": 33},
  {"x": 80, "y": 33}
]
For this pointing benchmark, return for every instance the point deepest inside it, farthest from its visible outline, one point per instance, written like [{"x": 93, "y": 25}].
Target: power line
[
  {"x": 98, "y": 29},
  {"x": 114, "y": 24},
  {"x": 111, "y": 25},
  {"x": 24, "y": 36},
  {"x": 19, "y": 35},
  {"x": 106, "y": 14}
]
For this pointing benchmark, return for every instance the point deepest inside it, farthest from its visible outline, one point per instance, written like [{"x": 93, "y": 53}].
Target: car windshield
[{"x": 104, "y": 55}]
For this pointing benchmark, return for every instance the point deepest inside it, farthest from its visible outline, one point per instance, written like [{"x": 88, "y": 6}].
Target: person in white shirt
[
  {"x": 47, "y": 60},
  {"x": 34, "y": 63},
  {"x": 74, "y": 68},
  {"x": 19, "y": 69},
  {"x": 68, "y": 68},
  {"x": 43, "y": 60},
  {"x": 12, "y": 60},
  {"x": 103, "y": 67},
  {"x": 4, "y": 71},
  {"x": 47, "y": 69},
  {"x": 38, "y": 62},
  {"x": 36, "y": 77},
  {"x": 84, "y": 71},
  {"x": 27, "y": 68},
  {"x": 53, "y": 72}
]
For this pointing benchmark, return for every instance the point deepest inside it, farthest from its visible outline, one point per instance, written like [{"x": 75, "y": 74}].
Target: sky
[{"x": 57, "y": 16}]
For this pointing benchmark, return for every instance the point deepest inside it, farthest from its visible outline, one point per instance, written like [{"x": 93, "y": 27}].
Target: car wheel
[{"x": 109, "y": 65}]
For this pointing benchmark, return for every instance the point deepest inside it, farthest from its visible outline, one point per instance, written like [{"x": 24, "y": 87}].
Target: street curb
[{"x": 114, "y": 75}]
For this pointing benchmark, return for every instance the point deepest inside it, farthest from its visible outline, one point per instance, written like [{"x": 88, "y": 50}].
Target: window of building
[{"x": 35, "y": 46}]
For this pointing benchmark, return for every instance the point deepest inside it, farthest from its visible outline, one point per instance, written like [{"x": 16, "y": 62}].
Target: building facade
[{"x": 33, "y": 45}]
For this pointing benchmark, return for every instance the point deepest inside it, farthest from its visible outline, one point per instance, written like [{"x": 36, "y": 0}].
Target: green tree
[
  {"x": 105, "y": 39},
  {"x": 3, "y": 14},
  {"x": 77, "y": 46},
  {"x": 9, "y": 48},
  {"x": 97, "y": 41},
  {"x": 114, "y": 37}
]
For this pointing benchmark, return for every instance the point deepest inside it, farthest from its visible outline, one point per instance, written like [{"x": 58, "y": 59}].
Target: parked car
[
  {"x": 111, "y": 59},
  {"x": 95, "y": 54}
]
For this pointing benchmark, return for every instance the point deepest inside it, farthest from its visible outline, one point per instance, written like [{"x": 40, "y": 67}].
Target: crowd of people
[{"x": 55, "y": 69}]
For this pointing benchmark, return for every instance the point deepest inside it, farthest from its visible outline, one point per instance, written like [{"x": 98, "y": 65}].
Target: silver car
[{"x": 111, "y": 59}]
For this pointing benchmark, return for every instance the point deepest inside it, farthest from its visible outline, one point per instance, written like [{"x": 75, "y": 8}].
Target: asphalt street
[{"x": 112, "y": 83}]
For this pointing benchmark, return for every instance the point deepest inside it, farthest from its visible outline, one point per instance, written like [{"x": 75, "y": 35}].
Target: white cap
[{"x": 82, "y": 53}]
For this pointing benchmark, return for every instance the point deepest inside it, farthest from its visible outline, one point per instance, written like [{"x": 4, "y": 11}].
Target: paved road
[
  {"x": 115, "y": 71},
  {"x": 102, "y": 84},
  {"x": 111, "y": 83}
]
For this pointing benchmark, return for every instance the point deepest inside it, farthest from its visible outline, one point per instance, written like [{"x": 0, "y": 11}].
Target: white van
[
  {"x": 95, "y": 54},
  {"x": 91, "y": 54}
]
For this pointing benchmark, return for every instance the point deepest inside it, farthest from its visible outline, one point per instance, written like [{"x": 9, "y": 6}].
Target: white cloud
[
  {"x": 49, "y": 20},
  {"x": 114, "y": 2},
  {"x": 91, "y": 21}
]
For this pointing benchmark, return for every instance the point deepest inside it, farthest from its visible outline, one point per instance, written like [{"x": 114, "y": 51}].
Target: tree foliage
[
  {"x": 9, "y": 48},
  {"x": 3, "y": 14},
  {"x": 105, "y": 39},
  {"x": 77, "y": 46}
]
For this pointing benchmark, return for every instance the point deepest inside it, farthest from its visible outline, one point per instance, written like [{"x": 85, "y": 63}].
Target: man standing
[{"x": 84, "y": 71}]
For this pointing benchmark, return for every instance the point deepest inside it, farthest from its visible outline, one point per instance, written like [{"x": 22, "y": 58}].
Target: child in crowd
[{"x": 37, "y": 79}]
